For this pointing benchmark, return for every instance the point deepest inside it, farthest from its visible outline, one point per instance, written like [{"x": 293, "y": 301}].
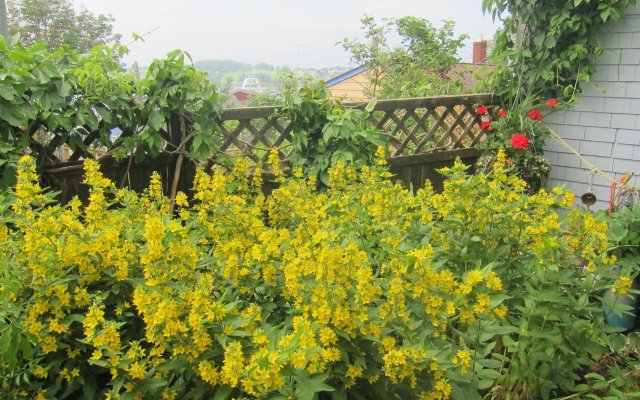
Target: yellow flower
[
  {"x": 622, "y": 285},
  {"x": 137, "y": 370},
  {"x": 462, "y": 359}
]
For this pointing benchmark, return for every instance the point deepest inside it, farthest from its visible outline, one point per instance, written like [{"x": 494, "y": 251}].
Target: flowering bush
[
  {"x": 363, "y": 290},
  {"x": 521, "y": 135}
]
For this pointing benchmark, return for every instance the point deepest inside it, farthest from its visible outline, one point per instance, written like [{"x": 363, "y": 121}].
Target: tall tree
[
  {"x": 417, "y": 66},
  {"x": 56, "y": 22}
]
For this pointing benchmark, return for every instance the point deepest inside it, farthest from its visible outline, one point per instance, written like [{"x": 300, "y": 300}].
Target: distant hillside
[{"x": 234, "y": 72}]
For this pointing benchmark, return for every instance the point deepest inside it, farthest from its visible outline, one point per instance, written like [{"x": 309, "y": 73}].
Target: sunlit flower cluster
[{"x": 354, "y": 286}]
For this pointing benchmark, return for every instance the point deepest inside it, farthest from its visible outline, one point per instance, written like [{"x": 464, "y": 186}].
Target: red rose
[
  {"x": 519, "y": 141},
  {"x": 502, "y": 113},
  {"x": 482, "y": 110},
  {"x": 486, "y": 126},
  {"x": 536, "y": 114},
  {"x": 551, "y": 102}
]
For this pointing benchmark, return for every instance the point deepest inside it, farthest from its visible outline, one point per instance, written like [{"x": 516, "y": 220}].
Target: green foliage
[
  {"x": 418, "y": 66},
  {"x": 286, "y": 81},
  {"x": 175, "y": 89},
  {"x": 48, "y": 100},
  {"x": 324, "y": 132},
  {"x": 554, "y": 272},
  {"x": 547, "y": 48},
  {"x": 57, "y": 23}
]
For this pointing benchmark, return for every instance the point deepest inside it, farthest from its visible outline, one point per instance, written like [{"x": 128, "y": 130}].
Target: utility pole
[
  {"x": 298, "y": 45},
  {"x": 4, "y": 30}
]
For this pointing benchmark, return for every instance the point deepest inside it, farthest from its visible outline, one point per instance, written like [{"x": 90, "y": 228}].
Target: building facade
[{"x": 604, "y": 124}]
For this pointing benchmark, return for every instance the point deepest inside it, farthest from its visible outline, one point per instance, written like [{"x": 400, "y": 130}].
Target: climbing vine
[
  {"x": 548, "y": 47},
  {"x": 61, "y": 99}
]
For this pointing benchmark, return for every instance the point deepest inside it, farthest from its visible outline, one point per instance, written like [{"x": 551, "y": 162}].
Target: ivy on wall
[{"x": 547, "y": 48}]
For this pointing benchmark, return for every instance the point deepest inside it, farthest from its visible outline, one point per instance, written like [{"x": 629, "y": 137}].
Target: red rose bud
[
  {"x": 486, "y": 126},
  {"x": 502, "y": 113},
  {"x": 519, "y": 141},
  {"x": 536, "y": 114},
  {"x": 551, "y": 102},
  {"x": 482, "y": 110}
]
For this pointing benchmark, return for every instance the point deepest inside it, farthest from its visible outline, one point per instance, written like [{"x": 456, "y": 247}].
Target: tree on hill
[
  {"x": 418, "y": 66},
  {"x": 56, "y": 22}
]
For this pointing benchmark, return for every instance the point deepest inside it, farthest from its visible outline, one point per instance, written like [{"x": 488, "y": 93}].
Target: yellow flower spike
[
  {"x": 381, "y": 156},
  {"x": 274, "y": 164},
  {"x": 622, "y": 285},
  {"x": 462, "y": 359}
]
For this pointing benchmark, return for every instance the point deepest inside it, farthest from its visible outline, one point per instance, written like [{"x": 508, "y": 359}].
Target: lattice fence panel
[{"x": 412, "y": 126}]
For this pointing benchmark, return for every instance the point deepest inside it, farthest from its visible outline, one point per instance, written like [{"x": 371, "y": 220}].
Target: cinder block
[
  {"x": 635, "y": 155},
  {"x": 552, "y": 156},
  {"x": 621, "y": 166},
  {"x": 596, "y": 148},
  {"x": 569, "y": 160},
  {"x": 571, "y": 117},
  {"x": 616, "y": 105},
  {"x": 571, "y": 131},
  {"x": 633, "y": 90},
  {"x": 610, "y": 57},
  {"x": 557, "y": 173},
  {"x": 623, "y": 151},
  {"x": 593, "y": 89},
  {"x": 554, "y": 145},
  {"x": 575, "y": 175},
  {"x": 616, "y": 89},
  {"x": 635, "y": 106},
  {"x": 633, "y": 10},
  {"x": 627, "y": 136},
  {"x": 616, "y": 26},
  {"x": 596, "y": 134},
  {"x": 610, "y": 40},
  {"x": 556, "y": 117},
  {"x": 602, "y": 120},
  {"x": 602, "y": 163},
  {"x": 627, "y": 73},
  {"x": 632, "y": 24},
  {"x": 595, "y": 104},
  {"x": 630, "y": 56},
  {"x": 625, "y": 40},
  {"x": 624, "y": 121},
  {"x": 605, "y": 73},
  {"x": 602, "y": 191}
]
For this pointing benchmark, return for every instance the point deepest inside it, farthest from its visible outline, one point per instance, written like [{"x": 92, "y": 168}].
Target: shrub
[{"x": 362, "y": 290}]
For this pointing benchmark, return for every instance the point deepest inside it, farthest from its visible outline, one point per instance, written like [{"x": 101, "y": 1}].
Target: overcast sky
[{"x": 272, "y": 31}]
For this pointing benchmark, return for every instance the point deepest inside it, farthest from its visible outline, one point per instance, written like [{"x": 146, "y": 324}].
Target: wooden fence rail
[{"x": 424, "y": 134}]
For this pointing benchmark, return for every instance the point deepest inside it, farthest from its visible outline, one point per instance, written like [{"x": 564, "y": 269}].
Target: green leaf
[
  {"x": 149, "y": 385},
  {"x": 223, "y": 392},
  {"x": 156, "y": 120},
  {"x": 307, "y": 387},
  {"x": 7, "y": 92},
  {"x": 5, "y": 340}
]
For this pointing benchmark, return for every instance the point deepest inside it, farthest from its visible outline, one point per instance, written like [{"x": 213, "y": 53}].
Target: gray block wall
[{"x": 604, "y": 125}]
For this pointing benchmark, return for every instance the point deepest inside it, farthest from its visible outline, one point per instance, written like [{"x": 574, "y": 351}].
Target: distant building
[
  {"x": 238, "y": 98},
  {"x": 251, "y": 83},
  {"x": 351, "y": 85},
  {"x": 355, "y": 84}
]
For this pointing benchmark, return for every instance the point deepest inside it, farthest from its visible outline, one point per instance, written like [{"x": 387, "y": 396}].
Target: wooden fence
[{"x": 424, "y": 134}]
